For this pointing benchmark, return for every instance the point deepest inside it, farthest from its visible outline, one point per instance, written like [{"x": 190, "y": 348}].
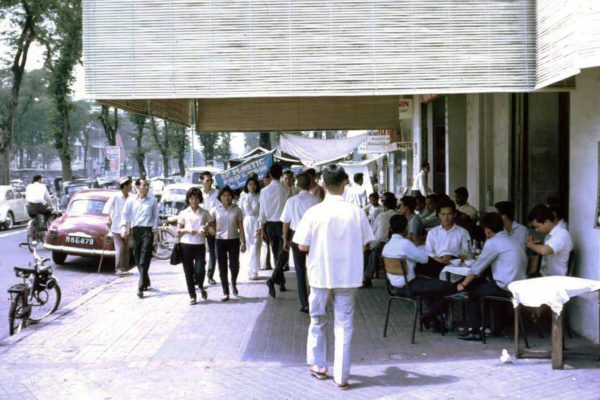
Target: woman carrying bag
[
  {"x": 227, "y": 220},
  {"x": 250, "y": 206},
  {"x": 193, "y": 224}
]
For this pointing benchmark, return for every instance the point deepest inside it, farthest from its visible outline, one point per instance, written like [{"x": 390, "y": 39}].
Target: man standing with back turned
[{"x": 334, "y": 275}]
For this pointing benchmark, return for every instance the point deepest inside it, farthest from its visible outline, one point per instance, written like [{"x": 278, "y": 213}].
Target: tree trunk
[
  {"x": 181, "y": 160},
  {"x": 165, "y": 165},
  {"x": 64, "y": 150}
]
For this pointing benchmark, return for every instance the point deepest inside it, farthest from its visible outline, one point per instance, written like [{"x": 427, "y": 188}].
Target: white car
[
  {"x": 173, "y": 199},
  {"x": 13, "y": 208}
]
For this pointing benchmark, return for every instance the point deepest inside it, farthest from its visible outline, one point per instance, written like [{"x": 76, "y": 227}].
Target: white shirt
[
  {"x": 420, "y": 183},
  {"x": 272, "y": 201},
  {"x": 37, "y": 193},
  {"x": 373, "y": 212},
  {"x": 209, "y": 199},
  {"x": 190, "y": 220},
  {"x": 441, "y": 242},
  {"x": 296, "y": 207},
  {"x": 399, "y": 247},
  {"x": 560, "y": 241},
  {"x": 227, "y": 219},
  {"x": 507, "y": 258},
  {"x": 139, "y": 212},
  {"x": 519, "y": 233},
  {"x": 356, "y": 195},
  {"x": 336, "y": 233},
  {"x": 249, "y": 204},
  {"x": 381, "y": 225},
  {"x": 114, "y": 207}
]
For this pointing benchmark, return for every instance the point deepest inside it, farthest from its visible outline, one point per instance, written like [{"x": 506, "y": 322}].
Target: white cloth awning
[{"x": 311, "y": 151}]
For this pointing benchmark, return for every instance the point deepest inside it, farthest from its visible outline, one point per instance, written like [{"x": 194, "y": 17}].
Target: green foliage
[
  {"x": 215, "y": 146},
  {"x": 110, "y": 123},
  {"x": 139, "y": 153}
]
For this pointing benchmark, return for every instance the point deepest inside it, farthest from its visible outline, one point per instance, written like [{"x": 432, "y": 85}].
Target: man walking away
[
  {"x": 209, "y": 195},
  {"x": 115, "y": 206},
  {"x": 38, "y": 201},
  {"x": 419, "y": 186},
  {"x": 140, "y": 219},
  {"x": 272, "y": 200},
  {"x": 294, "y": 210},
  {"x": 333, "y": 275}
]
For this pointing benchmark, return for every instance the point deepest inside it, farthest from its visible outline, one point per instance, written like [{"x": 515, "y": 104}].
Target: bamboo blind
[
  {"x": 174, "y": 49},
  {"x": 176, "y": 110}
]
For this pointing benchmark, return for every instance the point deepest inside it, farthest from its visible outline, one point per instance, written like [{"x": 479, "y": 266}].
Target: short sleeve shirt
[
  {"x": 226, "y": 219},
  {"x": 560, "y": 241},
  {"x": 191, "y": 220}
]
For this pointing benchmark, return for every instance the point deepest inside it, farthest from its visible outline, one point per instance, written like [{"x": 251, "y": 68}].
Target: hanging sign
[
  {"x": 405, "y": 109},
  {"x": 236, "y": 177},
  {"x": 112, "y": 157}
]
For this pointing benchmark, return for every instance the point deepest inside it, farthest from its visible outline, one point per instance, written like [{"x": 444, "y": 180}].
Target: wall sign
[{"x": 405, "y": 109}]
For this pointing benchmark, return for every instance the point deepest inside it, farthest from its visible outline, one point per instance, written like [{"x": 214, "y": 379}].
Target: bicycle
[
  {"x": 38, "y": 226},
  {"x": 37, "y": 297},
  {"x": 165, "y": 239}
]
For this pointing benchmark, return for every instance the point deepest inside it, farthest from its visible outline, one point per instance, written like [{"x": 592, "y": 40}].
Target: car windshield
[
  {"x": 75, "y": 189},
  {"x": 86, "y": 206},
  {"x": 177, "y": 192}
]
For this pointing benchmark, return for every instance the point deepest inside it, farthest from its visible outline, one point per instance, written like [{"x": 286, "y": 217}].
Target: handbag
[{"x": 176, "y": 256}]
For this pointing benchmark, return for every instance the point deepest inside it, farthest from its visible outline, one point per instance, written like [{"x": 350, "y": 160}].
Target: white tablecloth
[
  {"x": 554, "y": 291},
  {"x": 456, "y": 273}
]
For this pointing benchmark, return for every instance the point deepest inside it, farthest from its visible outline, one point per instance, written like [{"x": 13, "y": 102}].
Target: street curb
[{"x": 10, "y": 340}]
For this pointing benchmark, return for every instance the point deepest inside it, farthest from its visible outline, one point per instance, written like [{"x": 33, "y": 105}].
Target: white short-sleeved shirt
[
  {"x": 191, "y": 220},
  {"x": 296, "y": 206},
  {"x": 336, "y": 233},
  {"x": 560, "y": 241},
  {"x": 452, "y": 242},
  {"x": 209, "y": 199},
  {"x": 272, "y": 200},
  {"x": 114, "y": 207},
  {"x": 381, "y": 225},
  {"x": 37, "y": 193},
  {"x": 399, "y": 247},
  {"x": 226, "y": 221}
]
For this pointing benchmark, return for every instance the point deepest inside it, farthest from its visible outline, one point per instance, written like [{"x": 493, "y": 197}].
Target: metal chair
[{"x": 397, "y": 266}]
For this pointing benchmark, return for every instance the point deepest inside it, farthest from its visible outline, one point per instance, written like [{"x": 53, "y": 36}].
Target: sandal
[
  {"x": 317, "y": 374},
  {"x": 225, "y": 298},
  {"x": 192, "y": 301}
]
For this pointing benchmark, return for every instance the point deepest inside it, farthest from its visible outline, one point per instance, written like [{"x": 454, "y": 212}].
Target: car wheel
[
  {"x": 10, "y": 221},
  {"x": 58, "y": 258}
]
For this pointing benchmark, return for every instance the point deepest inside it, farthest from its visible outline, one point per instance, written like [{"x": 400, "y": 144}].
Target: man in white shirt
[
  {"x": 381, "y": 234},
  {"x": 115, "y": 206},
  {"x": 272, "y": 200},
  {"x": 508, "y": 263},
  {"x": 356, "y": 193},
  {"x": 557, "y": 244},
  {"x": 373, "y": 209},
  {"x": 420, "y": 182},
  {"x": 444, "y": 242},
  {"x": 38, "y": 202},
  {"x": 431, "y": 219},
  {"x": 294, "y": 210},
  {"x": 433, "y": 290},
  {"x": 516, "y": 231},
  {"x": 334, "y": 233},
  {"x": 461, "y": 196},
  {"x": 209, "y": 196}
]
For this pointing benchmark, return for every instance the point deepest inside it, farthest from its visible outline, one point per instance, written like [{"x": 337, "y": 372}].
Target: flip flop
[{"x": 319, "y": 375}]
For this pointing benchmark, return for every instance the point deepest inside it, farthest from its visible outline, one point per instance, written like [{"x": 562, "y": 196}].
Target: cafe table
[{"x": 555, "y": 292}]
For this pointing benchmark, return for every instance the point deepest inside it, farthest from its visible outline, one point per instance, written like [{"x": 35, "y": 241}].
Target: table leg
[
  {"x": 557, "y": 334},
  {"x": 517, "y": 350}
]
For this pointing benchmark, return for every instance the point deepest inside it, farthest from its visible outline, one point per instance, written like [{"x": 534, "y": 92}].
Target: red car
[{"x": 83, "y": 228}]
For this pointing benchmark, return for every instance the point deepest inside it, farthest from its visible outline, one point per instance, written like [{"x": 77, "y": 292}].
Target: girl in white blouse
[
  {"x": 193, "y": 224},
  {"x": 250, "y": 208},
  {"x": 227, "y": 220}
]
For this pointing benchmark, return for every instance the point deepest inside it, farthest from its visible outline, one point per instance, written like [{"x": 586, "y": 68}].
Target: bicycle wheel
[
  {"x": 44, "y": 302},
  {"x": 16, "y": 316},
  {"x": 164, "y": 244}
]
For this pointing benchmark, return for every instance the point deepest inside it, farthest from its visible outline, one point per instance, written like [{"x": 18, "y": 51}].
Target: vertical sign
[
  {"x": 405, "y": 109},
  {"x": 112, "y": 163}
]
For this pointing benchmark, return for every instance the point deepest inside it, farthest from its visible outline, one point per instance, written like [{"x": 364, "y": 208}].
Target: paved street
[
  {"x": 76, "y": 277},
  {"x": 110, "y": 344}
]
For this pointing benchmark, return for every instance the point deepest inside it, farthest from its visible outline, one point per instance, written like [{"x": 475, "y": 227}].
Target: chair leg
[
  {"x": 417, "y": 311},
  {"x": 482, "y": 331},
  {"x": 387, "y": 316},
  {"x": 420, "y": 315},
  {"x": 517, "y": 321}
]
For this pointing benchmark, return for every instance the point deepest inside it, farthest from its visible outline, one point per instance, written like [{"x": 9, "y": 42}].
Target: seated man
[
  {"x": 444, "y": 242},
  {"x": 431, "y": 206},
  {"x": 555, "y": 205},
  {"x": 420, "y": 208},
  {"x": 381, "y": 232},
  {"x": 461, "y": 196},
  {"x": 518, "y": 232},
  {"x": 416, "y": 231},
  {"x": 373, "y": 209},
  {"x": 432, "y": 289},
  {"x": 557, "y": 244},
  {"x": 509, "y": 263}
]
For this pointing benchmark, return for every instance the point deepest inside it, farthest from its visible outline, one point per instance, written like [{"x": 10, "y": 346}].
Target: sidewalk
[{"x": 112, "y": 345}]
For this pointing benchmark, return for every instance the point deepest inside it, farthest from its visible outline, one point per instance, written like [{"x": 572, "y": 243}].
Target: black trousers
[
  {"x": 300, "y": 268},
  {"x": 275, "y": 235},
  {"x": 478, "y": 289},
  {"x": 194, "y": 263},
  {"x": 432, "y": 290},
  {"x": 372, "y": 258},
  {"x": 212, "y": 255},
  {"x": 143, "y": 241},
  {"x": 432, "y": 269},
  {"x": 228, "y": 250}
]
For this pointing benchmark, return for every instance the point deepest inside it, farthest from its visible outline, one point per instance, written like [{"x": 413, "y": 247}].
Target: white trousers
[{"x": 343, "y": 314}]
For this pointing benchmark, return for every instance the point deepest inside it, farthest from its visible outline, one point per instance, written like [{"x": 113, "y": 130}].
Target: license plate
[
  {"x": 171, "y": 211},
  {"x": 80, "y": 240}
]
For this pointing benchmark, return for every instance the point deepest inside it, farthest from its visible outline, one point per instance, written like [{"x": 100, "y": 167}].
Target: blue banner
[{"x": 236, "y": 177}]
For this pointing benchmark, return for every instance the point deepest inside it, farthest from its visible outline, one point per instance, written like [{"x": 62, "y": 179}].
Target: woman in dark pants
[
  {"x": 193, "y": 223},
  {"x": 227, "y": 219}
]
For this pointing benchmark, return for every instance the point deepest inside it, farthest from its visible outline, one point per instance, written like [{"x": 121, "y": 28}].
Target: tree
[
  {"x": 109, "y": 123},
  {"x": 162, "y": 140},
  {"x": 139, "y": 153},
  {"x": 180, "y": 145},
  {"x": 251, "y": 140},
  {"x": 63, "y": 53},
  {"x": 25, "y": 24},
  {"x": 215, "y": 145}
]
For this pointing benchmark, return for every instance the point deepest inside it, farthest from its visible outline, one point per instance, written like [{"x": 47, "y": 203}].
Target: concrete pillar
[
  {"x": 416, "y": 134},
  {"x": 430, "y": 139},
  {"x": 456, "y": 146},
  {"x": 474, "y": 147}
]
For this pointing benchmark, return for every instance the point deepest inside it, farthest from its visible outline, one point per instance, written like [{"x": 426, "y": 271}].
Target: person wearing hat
[{"x": 115, "y": 207}]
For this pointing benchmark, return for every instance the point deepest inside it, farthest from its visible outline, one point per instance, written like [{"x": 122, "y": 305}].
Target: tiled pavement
[{"x": 112, "y": 345}]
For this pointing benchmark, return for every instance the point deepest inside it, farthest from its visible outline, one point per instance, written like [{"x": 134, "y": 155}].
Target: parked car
[
  {"x": 69, "y": 188},
  {"x": 83, "y": 229},
  {"x": 173, "y": 199},
  {"x": 194, "y": 175},
  {"x": 13, "y": 208},
  {"x": 18, "y": 186}
]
